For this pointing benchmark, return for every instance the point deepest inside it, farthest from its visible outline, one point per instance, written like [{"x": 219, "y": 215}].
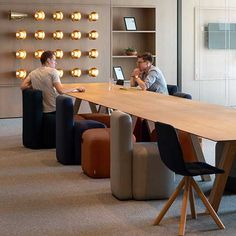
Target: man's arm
[
  {"x": 26, "y": 83},
  {"x": 134, "y": 76},
  {"x": 59, "y": 87},
  {"x": 141, "y": 84}
]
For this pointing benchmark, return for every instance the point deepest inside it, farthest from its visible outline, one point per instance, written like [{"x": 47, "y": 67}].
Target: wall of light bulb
[
  {"x": 43, "y": 34},
  {"x": 27, "y": 29}
]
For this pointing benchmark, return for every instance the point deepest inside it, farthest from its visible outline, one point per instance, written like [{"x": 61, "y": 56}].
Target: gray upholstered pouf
[{"x": 151, "y": 178}]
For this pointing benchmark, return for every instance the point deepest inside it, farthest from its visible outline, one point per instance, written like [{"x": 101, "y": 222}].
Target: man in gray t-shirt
[
  {"x": 46, "y": 78},
  {"x": 147, "y": 76}
]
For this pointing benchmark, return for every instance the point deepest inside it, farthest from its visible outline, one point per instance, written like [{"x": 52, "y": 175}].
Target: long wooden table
[{"x": 209, "y": 121}]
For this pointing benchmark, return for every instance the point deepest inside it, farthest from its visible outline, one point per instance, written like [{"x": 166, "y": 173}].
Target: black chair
[
  {"x": 172, "y": 156},
  {"x": 39, "y": 129},
  {"x": 172, "y": 89},
  {"x": 182, "y": 95}
]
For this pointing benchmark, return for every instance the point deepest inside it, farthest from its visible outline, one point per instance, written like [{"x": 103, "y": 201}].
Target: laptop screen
[{"x": 119, "y": 75}]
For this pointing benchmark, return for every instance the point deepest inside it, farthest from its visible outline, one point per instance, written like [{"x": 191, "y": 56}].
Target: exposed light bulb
[
  {"x": 58, "y": 15},
  {"x": 59, "y": 53},
  {"x": 93, "y": 53},
  {"x": 76, "y": 54},
  {"x": 21, "y": 73},
  {"x": 75, "y": 35},
  {"x": 38, "y": 53},
  {"x": 21, "y": 34},
  {"x": 39, "y": 34},
  {"x": 93, "y": 72},
  {"x": 93, "y": 16},
  {"x": 93, "y": 34},
  {"x": 21, "y": 54},
  {"x": 58, "y": 34},
  {"x": 76, "y": 72},
  {"x": 75, "y": 16},
  {"x": 39, "y": 15}
]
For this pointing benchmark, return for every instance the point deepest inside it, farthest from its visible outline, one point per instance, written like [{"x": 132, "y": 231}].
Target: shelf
[
  {"x": 143, "y": 39},
  {"x": 136, "y": 31},
  {"x": 125, "y": 56}
]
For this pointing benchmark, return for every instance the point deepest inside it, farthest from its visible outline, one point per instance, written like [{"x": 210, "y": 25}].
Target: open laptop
[{"x": 119, "y": 75}]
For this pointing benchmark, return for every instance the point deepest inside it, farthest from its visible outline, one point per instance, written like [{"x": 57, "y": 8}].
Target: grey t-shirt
[
  {"x": 43, "y": 78},
  {"x": 155, "y": 80}
]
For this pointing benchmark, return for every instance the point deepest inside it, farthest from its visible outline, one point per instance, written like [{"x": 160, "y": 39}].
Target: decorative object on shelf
[
  {"x": 16, "y": 15},
  {"x": 58, "y": 34},
  {"x": 21, "y": 73},
  {"x": 93, "y": 16},
  {"x": 21, "y": 34},
  {"x": 58, "y": 15},
  {"x": 93, "y": 35},
  {"x": 59, "y": 53},
  {"x": 75, "y": 35},
  {"x": 130, "y": 51},
  {"x": 61, "y": 72},
  {"x": 21, "y": 54},
  {"x": 130, "y": 23},
  {"x": 93, "y": 72},
  {"x": 38, "y": 53},
  {"x": 75, "y": 16},
  {"x": 39, "y": 15},
  {"x": 75, "y": 54},
  {"x": 76, "y": 72},
  {"x": 39, "y": 35},
  {"x": 93, "y": 53}
]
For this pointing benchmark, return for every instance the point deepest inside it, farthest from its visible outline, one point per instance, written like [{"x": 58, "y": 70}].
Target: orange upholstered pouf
[{"x": 95, "y": 156}]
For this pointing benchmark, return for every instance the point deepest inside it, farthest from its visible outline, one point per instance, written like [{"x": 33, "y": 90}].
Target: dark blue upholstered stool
[
  {"x": 69, "y": 132},
  {"x": 39, "y": 129}
]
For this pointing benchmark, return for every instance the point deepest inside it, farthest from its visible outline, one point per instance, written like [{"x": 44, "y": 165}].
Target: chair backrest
[
  {"x": 64, "y": 130},
  {"x": 32, "y": 101},
  {"x": 182, "y": 95},
  {"x": 170, "y": 149},
  {"x": 121, "y": 155},
  {"x": 172, "y": 89}
]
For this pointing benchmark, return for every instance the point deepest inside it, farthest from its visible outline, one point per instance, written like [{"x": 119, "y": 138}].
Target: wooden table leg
[
  {"x": 198, "y": 150},
  {"x": 77, "y": 105},
  {"x": 93, "y": 107},
  {"x": 226, "y": 162}
]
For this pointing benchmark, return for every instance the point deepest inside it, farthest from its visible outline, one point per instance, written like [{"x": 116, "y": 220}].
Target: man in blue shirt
[{"x": 147, "y": 76}]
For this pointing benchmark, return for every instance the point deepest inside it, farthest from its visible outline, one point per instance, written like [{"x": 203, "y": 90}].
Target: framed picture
[
  {"x": 130, "y": 23},
  {"x": 119, "y": 75}
]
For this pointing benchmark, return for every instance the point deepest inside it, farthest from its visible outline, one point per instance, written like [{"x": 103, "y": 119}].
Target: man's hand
[
  {"x": 136, "y": 72},
  {"x": 81, "y": 89}
]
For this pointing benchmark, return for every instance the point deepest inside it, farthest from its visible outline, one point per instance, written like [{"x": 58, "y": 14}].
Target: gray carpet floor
[{"x": 38, "y": 196}]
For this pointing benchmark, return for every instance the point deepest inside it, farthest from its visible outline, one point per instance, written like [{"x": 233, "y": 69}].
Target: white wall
[{"x": 208, "y": 74}]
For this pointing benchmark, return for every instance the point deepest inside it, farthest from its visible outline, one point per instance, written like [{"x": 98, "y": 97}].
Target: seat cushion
[
  {"x": 100, "y": 117},
  {"x": 201, "y": 168},
  {"x": 79, "y": 128},
  {"x": 95, "y": 158}
]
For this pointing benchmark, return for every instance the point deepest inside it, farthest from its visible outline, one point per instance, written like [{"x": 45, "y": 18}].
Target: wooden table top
[{"x": 214, "y": 122}]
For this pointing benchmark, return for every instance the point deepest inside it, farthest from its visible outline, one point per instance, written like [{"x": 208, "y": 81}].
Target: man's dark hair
[
  {"x": 45, "y": 55},
  {"x": 147, "y": 56}
]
